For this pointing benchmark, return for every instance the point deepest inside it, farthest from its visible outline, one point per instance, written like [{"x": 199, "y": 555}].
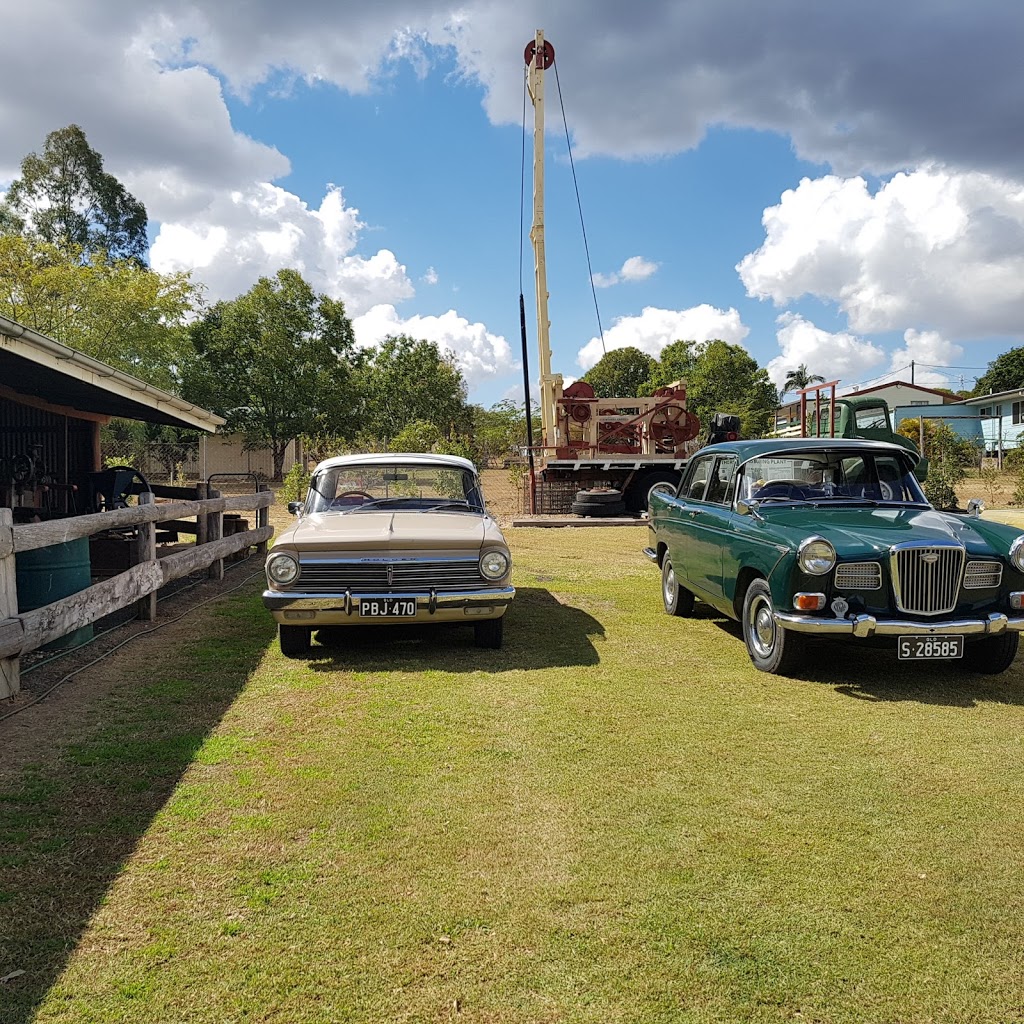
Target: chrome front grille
[
  {"x": 926, "y": 578},
  {"x": 980, "y": 575},
  {"x": 858, "y": 576},
  {"x": 400, "y": 576}
]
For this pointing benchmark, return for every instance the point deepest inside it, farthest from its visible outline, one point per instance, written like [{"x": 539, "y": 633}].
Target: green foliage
[
  {"x": 66, "y": 198},
  {"x": 800, "y": 378},
  {"x": 295, "y": 484},
  {"x": 119, "y": 312},
  {"x": 500, "y": 432},
  {"x": 675, "y": 364},
  {"x": 1004, "y": 373},
  {"x": 621, "y": 373},
  {"x": 405, "y": 380},
  {"x": 989, "y": 477},
  {"x": 275, "y": 363},
  {"x": 946, "y": 452},
  {"x": 725, "y": 378},
  {"x": 1014, "y": 459}
]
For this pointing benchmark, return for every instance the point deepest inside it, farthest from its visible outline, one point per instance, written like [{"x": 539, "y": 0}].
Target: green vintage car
[{"x": 834, "y": 538}]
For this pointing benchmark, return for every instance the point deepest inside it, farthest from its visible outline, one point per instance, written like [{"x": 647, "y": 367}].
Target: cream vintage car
[{"x": 389, "y": 539}]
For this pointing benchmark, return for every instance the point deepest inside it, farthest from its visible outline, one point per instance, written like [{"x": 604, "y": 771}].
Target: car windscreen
[
  {"x": 394, "y": 486},
  {"x": 831, "y": 476}
]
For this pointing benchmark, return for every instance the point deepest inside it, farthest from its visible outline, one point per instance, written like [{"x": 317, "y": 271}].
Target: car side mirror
[
  {"x": 295, "y": 507},
  {"x": 743, "y": 508},
  {"x": 975, "y": 507}
]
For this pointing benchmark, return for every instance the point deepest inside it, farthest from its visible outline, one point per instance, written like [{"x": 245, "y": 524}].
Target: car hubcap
[
  {"x": 669, "y": 587},
  {"x": 762, "y": 627}
]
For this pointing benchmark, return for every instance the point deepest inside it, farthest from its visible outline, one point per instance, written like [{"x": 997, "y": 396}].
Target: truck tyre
[
  {"x": 638, "y": 491},
  {"x": 295, "y": 641},
  {"x": 771, "y": 648},
  {"x": 992, "y": 655},
  {"x": 599, "y": 510},
  {"x": 599, "y": 496}
]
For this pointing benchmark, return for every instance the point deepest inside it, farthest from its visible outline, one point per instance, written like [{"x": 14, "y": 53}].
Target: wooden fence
[{"x": 29, "y": 630}]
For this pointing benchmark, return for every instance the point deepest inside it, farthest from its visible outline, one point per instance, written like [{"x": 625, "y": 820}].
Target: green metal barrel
[{"x": 48, "y": 574}]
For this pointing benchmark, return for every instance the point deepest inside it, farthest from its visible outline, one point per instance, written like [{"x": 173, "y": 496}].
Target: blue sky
[{"x": 824, "y": 185}]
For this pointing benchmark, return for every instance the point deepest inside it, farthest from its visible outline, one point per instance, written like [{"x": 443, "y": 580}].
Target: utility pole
[{"x": 911, "y": 371}]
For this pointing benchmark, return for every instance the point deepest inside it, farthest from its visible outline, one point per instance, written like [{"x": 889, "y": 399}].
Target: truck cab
[{"x": 859, "y": 417}]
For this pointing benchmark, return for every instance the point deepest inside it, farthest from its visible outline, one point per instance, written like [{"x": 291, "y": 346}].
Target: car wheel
[
  {"x": 992, "y": 655},
  {"x": 677, "y": 600},
  {"x": 489, "y": 633},
  {"x": 771, "y": 648},
  {"x": 295, "y": 641}
]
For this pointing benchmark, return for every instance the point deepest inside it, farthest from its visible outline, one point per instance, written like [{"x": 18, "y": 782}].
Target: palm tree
[{"x": 800, "y": 378}]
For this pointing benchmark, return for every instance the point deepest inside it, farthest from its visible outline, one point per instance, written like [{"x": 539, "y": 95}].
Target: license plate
[
  {"x": 388, "y": 607},
  {"x": 930, "y": 648}
]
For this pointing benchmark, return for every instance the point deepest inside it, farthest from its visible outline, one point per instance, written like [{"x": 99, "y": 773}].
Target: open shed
[
  {"x": 53, "y": 401},
  {"x": 58, "y": 507}
]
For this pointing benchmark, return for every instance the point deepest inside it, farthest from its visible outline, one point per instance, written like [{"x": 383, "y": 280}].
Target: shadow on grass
[
  {"x": 69, "y": 822},
  {"x": 540, "y": 632}
]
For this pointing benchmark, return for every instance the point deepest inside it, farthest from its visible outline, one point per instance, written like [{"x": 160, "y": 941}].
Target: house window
[
  {"x": 985, "y": 410},
  {"x": 920, "y": 403},
  {"x": 1018, "y": 412}
]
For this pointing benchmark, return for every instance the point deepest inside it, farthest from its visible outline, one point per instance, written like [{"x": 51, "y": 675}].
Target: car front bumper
[
  {"x": 296, "y": 608},
  {"x": 868, "y": 625}
]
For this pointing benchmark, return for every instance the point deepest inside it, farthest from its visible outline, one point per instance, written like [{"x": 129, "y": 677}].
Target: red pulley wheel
[{"x": 547, "y": 58}]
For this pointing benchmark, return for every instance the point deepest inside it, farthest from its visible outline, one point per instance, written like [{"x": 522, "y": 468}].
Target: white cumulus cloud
[
  {"x": 245, "y": 234},
  {"x": 655, "y": 328},
  {"x": 834, "y": 356},
  {"x": 636, "y": 268},
  {"x": 479, "y": 353},
  {"x": 929, "y": 249}
]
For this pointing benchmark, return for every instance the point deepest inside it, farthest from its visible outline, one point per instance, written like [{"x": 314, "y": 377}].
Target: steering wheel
[
  {"x": 339, "y": 499},
  {"x": 781, "y": 489}
]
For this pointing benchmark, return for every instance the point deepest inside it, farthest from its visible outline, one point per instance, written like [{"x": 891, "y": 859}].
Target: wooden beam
[
  {"x": 196, "y": 557},
  {"x": 61, "y": 410}
]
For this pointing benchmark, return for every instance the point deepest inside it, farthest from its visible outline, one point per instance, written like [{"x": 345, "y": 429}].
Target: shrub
[{"x": 295, "y": 484}]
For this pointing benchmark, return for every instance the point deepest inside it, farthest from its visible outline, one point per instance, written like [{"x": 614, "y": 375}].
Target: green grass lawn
[{"x": 612, "y": 819}]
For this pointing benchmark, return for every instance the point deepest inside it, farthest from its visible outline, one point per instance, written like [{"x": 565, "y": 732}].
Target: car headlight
[
  {"x": 1017, "y": 553},
  {"x": 494, "y": 565},
  {"x": 816, "y": 556},
  {"x": 282, "y": 569}
]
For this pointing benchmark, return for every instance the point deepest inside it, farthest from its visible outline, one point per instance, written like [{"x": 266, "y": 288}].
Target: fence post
[
  {"x": 10, "y": 668},
  {"x": 214, "y": 531},
  {"x": 262, "y": 519},
  {"x": 201, "y": 520},
  {"x": 145, "y": 551}
]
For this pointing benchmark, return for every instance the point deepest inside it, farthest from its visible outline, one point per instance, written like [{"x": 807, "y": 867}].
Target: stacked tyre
[{"x": 599, "y": 501}]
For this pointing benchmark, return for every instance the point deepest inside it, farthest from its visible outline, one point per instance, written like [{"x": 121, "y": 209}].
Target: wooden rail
[{"x": 26, "y": 631}]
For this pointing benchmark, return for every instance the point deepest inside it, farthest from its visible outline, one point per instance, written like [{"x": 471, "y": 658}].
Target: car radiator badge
[{"x": 840, "y": 606}]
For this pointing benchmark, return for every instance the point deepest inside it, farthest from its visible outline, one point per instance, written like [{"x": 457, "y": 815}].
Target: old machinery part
[{"x": 672, "y": 426}]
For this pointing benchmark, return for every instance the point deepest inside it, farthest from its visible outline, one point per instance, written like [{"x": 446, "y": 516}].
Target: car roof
[
  {"x": 395, "y": 458},
  {"x": 762, "y": 447}
]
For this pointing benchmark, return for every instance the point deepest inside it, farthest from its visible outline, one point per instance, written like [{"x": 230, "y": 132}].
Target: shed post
[
  {"x": 145, "y": 551},
  {"x": 10, "y": 668},
  {"x": 262, "y": 519},
  {"x": 214, "y": 531}
]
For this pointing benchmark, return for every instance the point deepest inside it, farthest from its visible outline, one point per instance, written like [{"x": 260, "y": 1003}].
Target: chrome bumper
[
  {"x": 348, "y": 602},
  {"x": 868, "y": 625}
]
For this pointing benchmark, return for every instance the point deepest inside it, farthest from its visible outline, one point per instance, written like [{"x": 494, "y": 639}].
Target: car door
[
  {"x": 682, "y": 524},
  {"x": 711, "y": 529}
]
